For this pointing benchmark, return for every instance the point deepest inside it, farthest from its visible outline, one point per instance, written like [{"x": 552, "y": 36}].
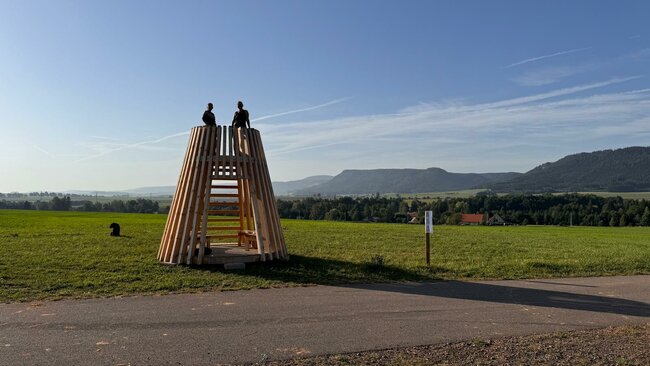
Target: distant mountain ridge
[
  {"x": 620, "y": 170},
  {"x": 135, "y": 192},
  {"x": 403, "y": 181}
]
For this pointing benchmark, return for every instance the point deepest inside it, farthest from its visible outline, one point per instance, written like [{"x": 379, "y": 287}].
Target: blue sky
[{"x": 101, "y": 95}]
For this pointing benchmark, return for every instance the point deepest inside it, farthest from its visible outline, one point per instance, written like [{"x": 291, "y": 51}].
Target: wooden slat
[
  {"x": 231, "y": 162},
  {"x": 222, "y": 212},
  {"x": 224, "y": 228},
  {"x": 240, "y": 175},
  {"x": 226, "y": 154},
  {"x": 212, "y": 157},
  {"x": 258, "y": 209},
  {"x": 204, "y": 171},
  {"x": 224, "y": 203},
  {"x": 167, "y": 243},
  {"x": 262, "y": 169},
  {"x": 179, "y": 236},
  {"x": 220, "y": 186},
  {"x": 234, "y": 195},
  {"x": 276, "y": 226},
  {"x": 188, "y": 237},
  {"x": 247, "y": 205},
  {"x": 252, "y": 193},
  {"x": 222, "y": 236},
  {"x": 224, "y": 220}
]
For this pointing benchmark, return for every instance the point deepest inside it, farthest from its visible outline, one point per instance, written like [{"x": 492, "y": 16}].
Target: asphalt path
[{"x": 257, "y": 325}]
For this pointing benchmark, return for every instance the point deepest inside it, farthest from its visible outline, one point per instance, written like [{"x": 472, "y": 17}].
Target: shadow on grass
[
  {"x": 311, "y": 270},
  {"x": 319, "y": 271}
]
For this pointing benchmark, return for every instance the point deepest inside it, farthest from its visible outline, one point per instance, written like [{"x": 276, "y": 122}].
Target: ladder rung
[
  {"x": 223, "y": 236},
  {"x": 223, "y": 186},
  {"x": 224, "y": 203},
  {"x": 222, "y": 212},
  {"x": 224, "y": 177},
  {"x": 229, "y": 228},
  {"x": 224, "y": 220},
  {"x": 224, "y": 194}
]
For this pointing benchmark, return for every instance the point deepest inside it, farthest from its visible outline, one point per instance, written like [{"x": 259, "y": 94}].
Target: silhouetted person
[
  {"x": 116, "y": 229},
  {"x": 208, "y": 116},
  {"x": 240, "y": 120}
]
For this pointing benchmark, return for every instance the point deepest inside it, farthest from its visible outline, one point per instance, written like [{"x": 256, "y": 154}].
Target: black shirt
[
  {"x": 241, "y": 119},
  {"x": 208, "y": 119}
]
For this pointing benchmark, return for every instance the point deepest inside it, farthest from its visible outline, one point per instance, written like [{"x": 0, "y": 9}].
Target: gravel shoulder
[{"x": 624, "y": 345}]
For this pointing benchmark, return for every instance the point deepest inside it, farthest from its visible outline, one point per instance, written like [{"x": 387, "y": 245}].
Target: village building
[
  {"x": 472, "y": 219},
  {"x": 496, "y": 220}
]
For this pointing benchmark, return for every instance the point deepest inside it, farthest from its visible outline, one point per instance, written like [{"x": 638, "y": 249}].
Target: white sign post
[{"x": 428, "y": 229}]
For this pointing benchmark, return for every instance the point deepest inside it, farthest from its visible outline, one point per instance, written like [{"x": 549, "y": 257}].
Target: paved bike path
[{"x": 251, "y": 326}]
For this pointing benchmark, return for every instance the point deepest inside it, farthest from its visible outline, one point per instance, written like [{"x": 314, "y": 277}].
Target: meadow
[{"x": 53, "y": 255}]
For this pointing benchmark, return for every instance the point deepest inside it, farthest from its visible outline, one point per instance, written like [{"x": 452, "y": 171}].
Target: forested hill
[
  {"x": 621, "y": 170},
  {"x": 403, "y": 181}
]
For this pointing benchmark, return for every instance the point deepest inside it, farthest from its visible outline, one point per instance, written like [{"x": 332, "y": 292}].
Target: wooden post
[
  {"x": 428, "y": 250},
  {"x": 428, "y": 229}
]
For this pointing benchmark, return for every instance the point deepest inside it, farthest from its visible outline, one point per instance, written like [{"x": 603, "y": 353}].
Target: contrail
[
  {"x": 547, "y": 56},
  {"x": 42, "y": 150},
  {"x": 302, "y": 110},
  {"x": 149, "y": 142},
  {"x": 133, "y": 145}
]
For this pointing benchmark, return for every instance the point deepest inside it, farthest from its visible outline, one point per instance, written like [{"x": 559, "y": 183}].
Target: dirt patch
[{"x": 628, "y": 345}]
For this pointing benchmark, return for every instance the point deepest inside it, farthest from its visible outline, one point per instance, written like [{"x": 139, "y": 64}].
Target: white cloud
[
  {"x": 503, "y": 135},
  {"x": 459, "y": 136}
]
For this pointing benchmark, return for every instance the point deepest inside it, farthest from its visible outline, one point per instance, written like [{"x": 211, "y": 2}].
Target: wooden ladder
[{"x": 228, "y": 216}]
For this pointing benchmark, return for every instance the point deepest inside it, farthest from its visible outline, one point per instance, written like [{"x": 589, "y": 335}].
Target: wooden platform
[{"x": 223, "y": 253}]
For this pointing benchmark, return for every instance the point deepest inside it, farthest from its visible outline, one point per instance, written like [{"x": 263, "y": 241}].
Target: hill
[
  {"x": 403, "y": 181},
  {"x": 135, "y": 192},
  {"x": 620, "y": 170},
  {"x": 285, "y": 188}
]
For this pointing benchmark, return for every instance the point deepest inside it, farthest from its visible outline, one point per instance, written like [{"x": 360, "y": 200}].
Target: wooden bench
[{"x": 248, "y": 238}]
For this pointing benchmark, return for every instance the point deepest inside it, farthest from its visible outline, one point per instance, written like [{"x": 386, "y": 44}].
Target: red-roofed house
[{"x": 472, "y": 219}]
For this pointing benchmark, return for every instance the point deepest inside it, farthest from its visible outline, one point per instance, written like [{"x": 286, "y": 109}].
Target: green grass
[{"x": 51, "y": 255}]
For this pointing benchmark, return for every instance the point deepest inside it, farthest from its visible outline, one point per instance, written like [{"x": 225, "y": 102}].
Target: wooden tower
[{"x": 224, "y": 209}]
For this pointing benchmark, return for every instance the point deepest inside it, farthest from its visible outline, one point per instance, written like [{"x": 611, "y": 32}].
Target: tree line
[
  {"x": 545, "y": 209},
  {"x": 65, "y": 203}
]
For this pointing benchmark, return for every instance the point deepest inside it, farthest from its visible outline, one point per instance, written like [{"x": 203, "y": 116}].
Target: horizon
[{"x": 88, "y": 105}]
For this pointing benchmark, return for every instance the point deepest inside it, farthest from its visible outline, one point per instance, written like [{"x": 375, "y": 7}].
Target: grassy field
[{"x": 50, "y": 255}]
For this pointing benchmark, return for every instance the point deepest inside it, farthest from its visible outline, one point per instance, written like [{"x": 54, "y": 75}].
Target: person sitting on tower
[
  {"x": 240, "y": 120},
  {"x": 208, "y": 116}
]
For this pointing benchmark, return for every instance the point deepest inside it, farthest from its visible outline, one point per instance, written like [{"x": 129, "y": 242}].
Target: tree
[
  {"x": 645, "y": 219},
  {"x": 60, "y": 204},
  {"x": 334, "y": 215}
]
